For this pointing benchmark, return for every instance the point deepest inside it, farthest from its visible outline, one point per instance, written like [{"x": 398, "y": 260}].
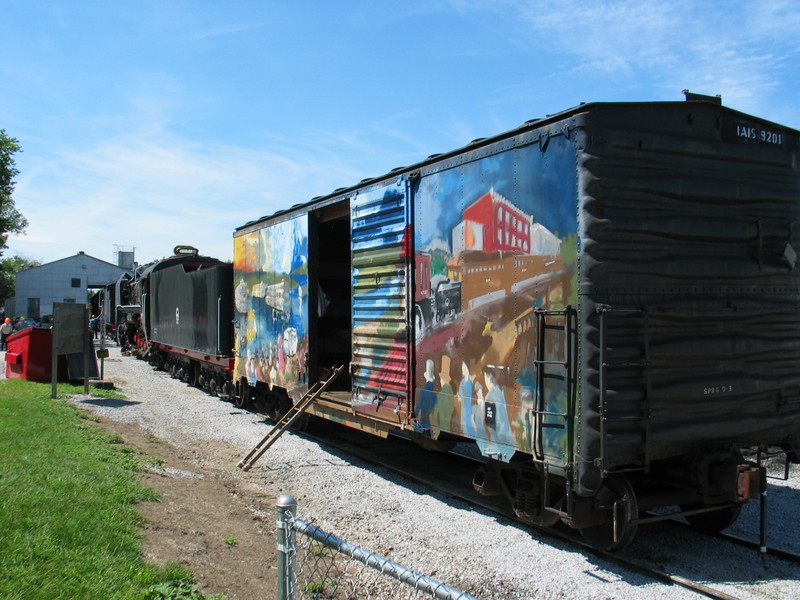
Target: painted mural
[
  {"x": 495, "y": 239},
  {"x": 380, "y": 372},
  {"x": 271, "y": 304}
]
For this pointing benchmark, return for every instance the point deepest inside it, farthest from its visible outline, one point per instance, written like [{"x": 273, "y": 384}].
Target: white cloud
[
  {"x": 154, "y": 192},
  {"x": 152, "y": 188},
  {"x": 742, "y": 50}
]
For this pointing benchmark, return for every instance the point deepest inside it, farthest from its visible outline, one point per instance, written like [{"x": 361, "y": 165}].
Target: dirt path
[{"x": 207, "y": 520}]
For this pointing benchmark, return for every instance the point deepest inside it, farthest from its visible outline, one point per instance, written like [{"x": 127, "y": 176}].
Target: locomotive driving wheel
[{"x": 617, "y": 501}]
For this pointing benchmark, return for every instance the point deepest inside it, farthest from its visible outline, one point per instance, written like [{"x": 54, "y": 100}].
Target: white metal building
[{"x": 64, "y": 280}]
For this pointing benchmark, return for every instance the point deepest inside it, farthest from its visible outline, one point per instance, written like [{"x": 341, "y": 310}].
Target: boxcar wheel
[
  {"x": 714, "y": 521},
  {"x": 618, "y": 501},
  {"x": 242, "y": 400}
]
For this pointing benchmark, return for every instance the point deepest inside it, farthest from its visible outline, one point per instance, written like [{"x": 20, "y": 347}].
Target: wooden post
[
  {"x": 53, "y": 364},
  {"x": 86, "y": 351}
]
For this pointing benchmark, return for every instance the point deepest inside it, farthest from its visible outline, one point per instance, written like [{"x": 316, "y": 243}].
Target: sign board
[
  {"x": 70, "y": 328},
  {"x": 71, "y": 337}
]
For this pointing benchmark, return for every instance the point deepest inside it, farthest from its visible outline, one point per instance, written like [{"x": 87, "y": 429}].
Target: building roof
[{"x": 81, "y": 255}]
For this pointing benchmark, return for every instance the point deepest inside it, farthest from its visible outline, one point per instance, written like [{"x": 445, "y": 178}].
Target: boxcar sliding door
[{"x": 381, "y": 250}]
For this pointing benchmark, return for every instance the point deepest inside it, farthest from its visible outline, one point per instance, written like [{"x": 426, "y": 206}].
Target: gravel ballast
[{"x": 488, "y": 556}]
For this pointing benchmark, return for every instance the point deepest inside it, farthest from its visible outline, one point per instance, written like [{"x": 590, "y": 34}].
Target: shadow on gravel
[{"x": 109, "y": 402}]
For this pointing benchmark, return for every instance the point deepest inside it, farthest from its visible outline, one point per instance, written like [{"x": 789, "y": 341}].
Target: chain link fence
[{"x": 318, "y": 565}]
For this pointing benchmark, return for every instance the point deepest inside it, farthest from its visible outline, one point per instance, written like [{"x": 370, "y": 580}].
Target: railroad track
[
  {"x": 403, "y": 458},
  {"x": 786, "y": 555}
]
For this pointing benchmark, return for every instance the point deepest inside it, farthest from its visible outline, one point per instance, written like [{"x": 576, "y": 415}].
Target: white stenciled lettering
[
  {"x": 717, "y": 389},
  {"x": 755, "y": 133},
  {"x": 746, "y": 132},
  {"x": 771, "y": 137}
]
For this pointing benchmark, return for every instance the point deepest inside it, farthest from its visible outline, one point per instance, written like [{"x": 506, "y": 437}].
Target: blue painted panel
[{"x": 380, "y": 366}]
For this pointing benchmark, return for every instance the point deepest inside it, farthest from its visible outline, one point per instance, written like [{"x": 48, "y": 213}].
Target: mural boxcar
[{"x": 605, "y": 301}]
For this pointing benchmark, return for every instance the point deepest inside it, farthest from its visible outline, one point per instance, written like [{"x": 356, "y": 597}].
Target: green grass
[{"x": 69, "y": 527}]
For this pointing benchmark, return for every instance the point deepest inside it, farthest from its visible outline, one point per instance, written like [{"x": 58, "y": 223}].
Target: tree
[
  {"x": 9, "y": 267},
  {"x": 11, "y": 220}
]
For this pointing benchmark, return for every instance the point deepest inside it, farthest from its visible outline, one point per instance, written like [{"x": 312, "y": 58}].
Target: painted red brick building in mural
[{"x": 493, "y": 224}]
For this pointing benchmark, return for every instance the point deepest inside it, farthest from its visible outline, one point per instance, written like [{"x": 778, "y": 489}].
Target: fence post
[{"x": 286, "y": 506}]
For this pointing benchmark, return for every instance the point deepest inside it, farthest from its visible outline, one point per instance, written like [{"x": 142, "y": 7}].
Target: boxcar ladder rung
[{"x": 288, "y": 419}]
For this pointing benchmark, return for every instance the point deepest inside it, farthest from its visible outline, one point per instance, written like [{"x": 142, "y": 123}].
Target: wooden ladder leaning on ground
[{"x": 288, "y": 419}]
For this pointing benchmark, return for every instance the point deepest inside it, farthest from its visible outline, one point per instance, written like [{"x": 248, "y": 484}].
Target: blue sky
[{"x": 150, "y": 124}]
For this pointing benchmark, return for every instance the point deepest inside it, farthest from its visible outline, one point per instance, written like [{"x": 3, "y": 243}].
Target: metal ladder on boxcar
[
  {"x": 559, "y": 369},
  {"x": 617, "y": 420},
  {"x": 288, "y": 419},
  {"x": 555, "y": 329}
]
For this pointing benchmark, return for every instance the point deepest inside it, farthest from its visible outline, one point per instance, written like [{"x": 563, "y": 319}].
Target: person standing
[
  {"x": 94, "y": 326},
  {"x": 6, "y": 329}
]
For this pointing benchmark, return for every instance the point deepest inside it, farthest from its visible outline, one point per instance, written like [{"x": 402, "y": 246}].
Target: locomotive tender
[{"x": 604, "y": 300}]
